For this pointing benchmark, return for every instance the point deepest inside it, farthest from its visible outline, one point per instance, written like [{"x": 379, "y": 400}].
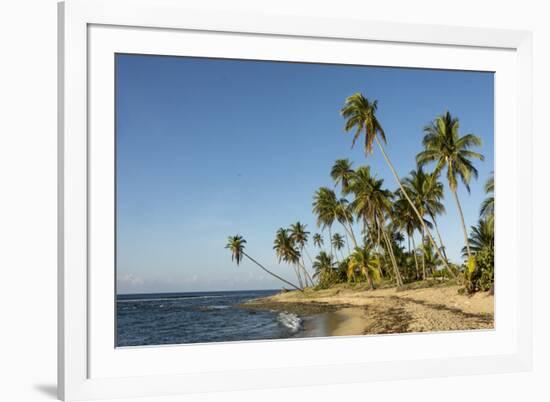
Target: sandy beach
[{"x": 343, "y": 310}]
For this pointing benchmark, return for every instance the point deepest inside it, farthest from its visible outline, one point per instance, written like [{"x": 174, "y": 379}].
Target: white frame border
[{"x": 74, "y": 18}]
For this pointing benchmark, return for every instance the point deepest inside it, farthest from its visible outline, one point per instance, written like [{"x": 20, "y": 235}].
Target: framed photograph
[{"x": 256, "y": 201}]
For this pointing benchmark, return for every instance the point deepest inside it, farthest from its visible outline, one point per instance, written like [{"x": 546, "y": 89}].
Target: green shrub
[{"x": 479, "y": 274}]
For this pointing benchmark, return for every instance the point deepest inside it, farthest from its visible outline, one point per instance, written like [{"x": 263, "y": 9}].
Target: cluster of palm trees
[{"x": 375, "y": 220}]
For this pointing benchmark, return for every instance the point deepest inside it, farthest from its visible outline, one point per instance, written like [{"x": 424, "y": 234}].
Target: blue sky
[{"x": 208, "y": 148}]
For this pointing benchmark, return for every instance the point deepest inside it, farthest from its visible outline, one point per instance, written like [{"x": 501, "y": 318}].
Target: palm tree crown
[
  {"x": 318, "y": 240},
  {"x": 299, "y": 234},
  {"x": 360, "y": 115},
  {"x": 236, "y": 244},
  {"x": 325, "y": 206},
  {"x": 362, "y": 261},
  {"x": 285, "y": 248},
  {"x": 488, "y": 206},
  {"x": 323, "y": 263},
  {"x": 338, "y": 241},
  {"x": 482, "y": 236},
  {"x": 444, "y": 146},
  {"x": 341, "y": 173}
]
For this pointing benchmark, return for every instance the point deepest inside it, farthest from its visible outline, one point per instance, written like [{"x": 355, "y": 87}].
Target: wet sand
[
  {"x": 346, "y": 321},
  {"x": 347, "y": 311}
]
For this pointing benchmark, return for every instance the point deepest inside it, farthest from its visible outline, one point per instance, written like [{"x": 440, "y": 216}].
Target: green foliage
[
  {"x": 479, "y": 274},
  {"x": 363, "y": 266},
  {"x": 387, "y": 252},
  {"x": 325, "y": 271},
  {"x": 236, "y": 245},
  {"x": 446, "y": 148}
]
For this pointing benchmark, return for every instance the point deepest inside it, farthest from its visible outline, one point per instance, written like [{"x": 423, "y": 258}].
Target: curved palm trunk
[
  {"x": 398, "y": 278},
  {"x": 415, "y": 258},
  {"x": 423, "y": 239},
  {"x": 330, "y": 241},
  {"x": 395, "y": 175},
  {"x": 271, "y": 273},
  {"x": 439, "y": 236},
  {"x": 303, "y": 263},
  {"x": 347, "y": 243},
  {"x": 299, "y": 275},
  {"x": 308, "y": 256},
  {"x": 350, "y": 231},
  {"x": 455, "y": 195},
  {"x": 307, "y": 276}
]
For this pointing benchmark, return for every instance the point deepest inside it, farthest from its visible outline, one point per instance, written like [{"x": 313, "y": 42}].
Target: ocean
[{"x": 176, "y": 318}]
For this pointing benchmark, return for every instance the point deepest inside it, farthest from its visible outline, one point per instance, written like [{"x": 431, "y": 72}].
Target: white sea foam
[
  {"x": 217, "y": 307},
  {"x": 290, "y": 321}
]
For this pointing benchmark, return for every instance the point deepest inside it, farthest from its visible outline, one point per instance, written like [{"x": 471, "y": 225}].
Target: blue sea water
[{"x": 176, "y": 318}]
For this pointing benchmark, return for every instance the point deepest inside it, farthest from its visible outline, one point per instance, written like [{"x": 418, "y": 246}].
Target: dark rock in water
[
  {"x": 298, "y": 308},
  {"x": 251, "y": 312}
]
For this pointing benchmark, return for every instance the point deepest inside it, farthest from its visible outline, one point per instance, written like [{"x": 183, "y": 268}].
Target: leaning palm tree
[
  {"x": 344, "y": 215},
  {"x": 426, "y": 192},
  {"x": 338, "y": 242},
  {"x": 360, "y": 115},
  {"x": 362, "y": 261},
  {"x": 444, "y": 146},
  {"x": 286, "y": 251},
  {"x": 434, "y": 205},
  {"x": 237, "y": 245},
  {"x": 372, "y": 204},
  {"x": 488, "y": 205},
  {"x": 405, "y": 220}
]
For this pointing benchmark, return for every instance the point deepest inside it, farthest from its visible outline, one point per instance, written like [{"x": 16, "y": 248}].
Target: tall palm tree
[
  {"x": 361, "y": 186},
  {"x": 325, "y": 207},
  {"x": 426, "y": 192},
  {"x": 344, "y": 215},
  {"x": 405, "y": 220},
  {"x": 488, "y": 205},
  {"x": 286, "y": 251},
  {"x": 237, "y": 245},
  {"x": 338, "y": 242},
  {"x": 362, "y": 260},
  {"x": 434, "y": 205},
  {"x": 329, "y": 209},
  {"x": 372, "y": 203},
  {"x": 318, "y": 240},
  {"x": 360, "y": 115},
  {"x": 299, "y": 235},
  {"x": 341, "y": 173},
  {"x": 447, "y": 149}
]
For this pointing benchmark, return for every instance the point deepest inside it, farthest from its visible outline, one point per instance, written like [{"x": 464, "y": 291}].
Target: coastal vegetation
[{"x": 368, "y": 230}]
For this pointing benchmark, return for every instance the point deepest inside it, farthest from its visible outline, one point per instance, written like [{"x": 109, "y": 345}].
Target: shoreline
[{"x": 345, "y": 310}]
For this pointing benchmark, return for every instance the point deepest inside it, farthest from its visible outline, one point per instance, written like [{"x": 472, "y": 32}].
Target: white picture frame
[{"x": 90, "y": 32}]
